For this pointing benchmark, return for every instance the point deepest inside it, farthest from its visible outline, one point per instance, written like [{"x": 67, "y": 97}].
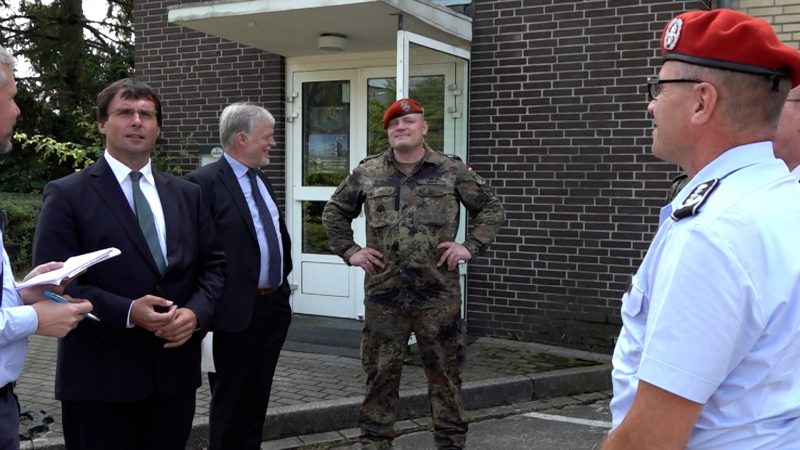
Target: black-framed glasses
[
  {"x": 128, "y": 113},
  {"x": 654, "y": 85}
]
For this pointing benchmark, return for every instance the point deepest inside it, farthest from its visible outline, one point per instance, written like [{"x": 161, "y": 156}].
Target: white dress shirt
[
  {"x": 17, "y": 322},
  {"x": 240, "y": 170},
  {"x": 148, "y": 185}
]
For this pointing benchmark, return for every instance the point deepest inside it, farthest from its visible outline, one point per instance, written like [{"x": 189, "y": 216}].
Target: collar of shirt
[
  {"x": 796, "y": 172},
  {"x": 431, "y": 156},
  {"x": 725, "y": 164},
  {"x": 239, "y": 169},
  {"x": 121, "y": 171}
]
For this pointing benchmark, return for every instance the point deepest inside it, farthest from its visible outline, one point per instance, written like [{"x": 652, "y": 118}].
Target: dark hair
[{"x": 129, "y": 88}]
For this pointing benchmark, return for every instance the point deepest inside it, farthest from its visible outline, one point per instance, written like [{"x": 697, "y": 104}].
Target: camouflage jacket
[{"x": 407, "y": 217}]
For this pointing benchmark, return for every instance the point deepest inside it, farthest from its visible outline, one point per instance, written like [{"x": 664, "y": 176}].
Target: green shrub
[{"x": 23, "y": 211}]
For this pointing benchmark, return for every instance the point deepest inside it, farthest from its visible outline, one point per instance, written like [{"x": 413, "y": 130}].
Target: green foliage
[
  {"x": 71, "y": 59},
  {"x": 23, "y": 211},
  {"x": 315, "y": 238}
]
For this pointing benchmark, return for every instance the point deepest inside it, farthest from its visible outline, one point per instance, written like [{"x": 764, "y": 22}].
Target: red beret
[
  {"x": 401, "y": 108},
  {"x": 727, "y": 39}
]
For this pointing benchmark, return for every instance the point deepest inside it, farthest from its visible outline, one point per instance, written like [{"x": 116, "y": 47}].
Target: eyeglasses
[
  {"x": 128, "y": 113},
  {"x": 654, "y": 85},
  {"x": 792, "y": 100}
]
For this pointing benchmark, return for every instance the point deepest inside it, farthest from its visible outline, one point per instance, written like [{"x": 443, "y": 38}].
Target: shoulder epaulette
[
  {"x": 690, "y": 205},
  {"x": 370, "y": 157},
  {"x": 453, "y": 156}
]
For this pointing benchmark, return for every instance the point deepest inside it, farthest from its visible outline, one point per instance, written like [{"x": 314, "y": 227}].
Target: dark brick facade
[{"x": 558, "y": 127}]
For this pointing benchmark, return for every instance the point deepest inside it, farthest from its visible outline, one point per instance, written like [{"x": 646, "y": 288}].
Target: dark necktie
[
  {"x": 146, "y": 222},
  {"x": 274, "y": 276}
]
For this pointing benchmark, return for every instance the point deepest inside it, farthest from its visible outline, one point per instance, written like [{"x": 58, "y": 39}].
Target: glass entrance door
[{"x": 334, "y": 123}]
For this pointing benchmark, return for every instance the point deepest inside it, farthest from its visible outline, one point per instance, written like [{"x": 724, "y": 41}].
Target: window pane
[
  {"x": 427, "y": 90},
  {"x": 315, "y": 239},
  {"x": 326, "y": 132}
]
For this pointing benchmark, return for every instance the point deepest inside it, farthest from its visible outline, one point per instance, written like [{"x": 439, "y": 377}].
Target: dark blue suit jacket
[
  {"x": 106, "y": 361},
  {"x": 237, "y": 233}
]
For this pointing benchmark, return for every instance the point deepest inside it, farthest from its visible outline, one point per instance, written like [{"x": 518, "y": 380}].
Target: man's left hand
[
  {"x": 454, "y": 252},
  {"x": 33, "y": 294},
  {"x": 180, "y": 329}
]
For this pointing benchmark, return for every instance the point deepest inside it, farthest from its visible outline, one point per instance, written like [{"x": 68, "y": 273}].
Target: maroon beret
[
  {"x": 401, "y": 108},
  {"x": 727, "y": 39}
]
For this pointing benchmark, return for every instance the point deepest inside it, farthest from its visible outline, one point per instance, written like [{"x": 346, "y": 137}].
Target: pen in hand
[{"x": 57, "y": 298}]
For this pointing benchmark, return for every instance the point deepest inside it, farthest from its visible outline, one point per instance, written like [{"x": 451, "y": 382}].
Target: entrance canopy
[{"x": 312, "y": 27}]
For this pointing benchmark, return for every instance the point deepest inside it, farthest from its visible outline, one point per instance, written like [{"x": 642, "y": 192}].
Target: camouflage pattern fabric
[
  {"x": 440, "y": 336},
  {"x": 407, "y": 217}
]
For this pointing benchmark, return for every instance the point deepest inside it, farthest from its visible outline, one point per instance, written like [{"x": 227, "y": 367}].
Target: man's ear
[
  {"x": 240, "y": 138},
  {"x": 101, "y": 127},
  {"x": 706, "y": 102}
]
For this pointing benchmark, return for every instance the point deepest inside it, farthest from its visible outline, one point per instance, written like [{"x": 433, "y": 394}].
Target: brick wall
[
  {"x": 558, "y": 87},
  {"x": 197, "y": 76},
  {"x": 784, "y": 15}
]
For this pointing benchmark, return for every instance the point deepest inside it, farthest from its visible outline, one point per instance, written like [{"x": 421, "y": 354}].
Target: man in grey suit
[{"x": 253, "y": 316}]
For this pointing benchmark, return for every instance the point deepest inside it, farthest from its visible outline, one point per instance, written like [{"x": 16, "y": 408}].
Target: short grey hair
[
  {"x": 6, "y": 60},
  {"x": 240, "y": 118}
]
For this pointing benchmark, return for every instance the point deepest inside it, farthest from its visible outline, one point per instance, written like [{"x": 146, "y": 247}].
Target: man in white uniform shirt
[
  {"x": 709, "y": 353},
  {"x": 26, "y": 311}
]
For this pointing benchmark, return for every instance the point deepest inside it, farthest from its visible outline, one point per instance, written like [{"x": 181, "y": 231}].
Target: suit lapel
[
  {"x": 108, "y": 189},
  {"x": 235, "y": 190}
]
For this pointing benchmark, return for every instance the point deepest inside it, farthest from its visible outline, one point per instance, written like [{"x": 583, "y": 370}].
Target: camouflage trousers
[{"x": 440, "y": 334}]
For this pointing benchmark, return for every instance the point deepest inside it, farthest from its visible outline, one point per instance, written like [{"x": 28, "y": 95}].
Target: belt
[
  {"x": 7, "y": 389},
  {"x": 264, "y": 291}
]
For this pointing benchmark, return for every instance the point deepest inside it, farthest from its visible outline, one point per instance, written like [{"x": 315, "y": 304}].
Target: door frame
[{"x": 358, "y": 70}]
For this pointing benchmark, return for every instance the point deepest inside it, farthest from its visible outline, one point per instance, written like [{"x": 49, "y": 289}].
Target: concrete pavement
[
  {"x": 578, "y": 422},
  {"x": 320, "y": 392}
]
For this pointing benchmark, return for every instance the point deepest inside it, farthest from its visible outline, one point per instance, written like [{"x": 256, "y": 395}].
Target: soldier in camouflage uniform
[{"x": 411, "y": 197}]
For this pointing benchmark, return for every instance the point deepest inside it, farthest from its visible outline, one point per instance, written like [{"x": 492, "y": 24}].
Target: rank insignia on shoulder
[
  {"x": 695, "y": 199},
  {"x": 452, "y": 156}
]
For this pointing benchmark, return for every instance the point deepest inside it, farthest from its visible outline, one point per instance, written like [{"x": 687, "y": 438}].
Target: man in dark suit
[
  {"x": 253, "y": 316},
  {"x": 129, "y": 380}
]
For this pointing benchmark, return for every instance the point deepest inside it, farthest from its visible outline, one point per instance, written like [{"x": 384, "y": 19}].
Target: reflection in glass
[
  {"x": 326, "y": 132},
  {"x": 427, "y": 90},
  {"x": 315, "y": 239}
]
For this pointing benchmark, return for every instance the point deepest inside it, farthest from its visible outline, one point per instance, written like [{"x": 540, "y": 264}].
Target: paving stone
[
  {"x": 319, "y": 438},
  {"x": 307, "y": 377},
  {"x": 282, "y": 444}
]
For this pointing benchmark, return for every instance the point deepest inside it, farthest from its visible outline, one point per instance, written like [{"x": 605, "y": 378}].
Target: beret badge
[{"x": 673, "y": 33}]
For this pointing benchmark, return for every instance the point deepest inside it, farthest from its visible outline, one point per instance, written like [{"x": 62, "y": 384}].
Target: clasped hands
[
  {"x": 371, "y": 260},
  {"x": 175, "y": 325}
]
